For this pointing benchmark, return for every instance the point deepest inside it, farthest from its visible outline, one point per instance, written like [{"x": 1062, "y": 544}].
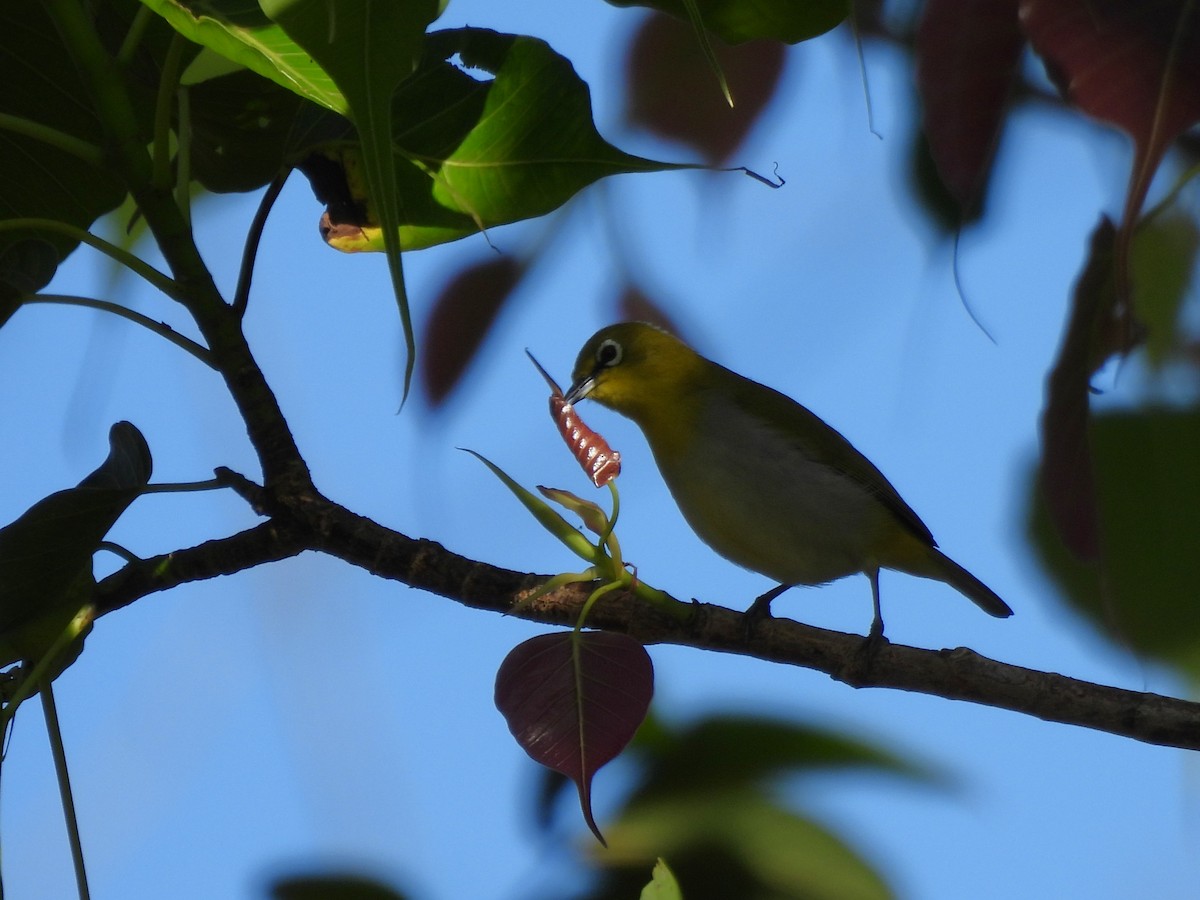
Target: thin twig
[
  {"x": 64, "y": 787},
  {"x": 314, "y": 523},
  {"x": 162, "y": 329},
  {"x": 241, "y": 296}
]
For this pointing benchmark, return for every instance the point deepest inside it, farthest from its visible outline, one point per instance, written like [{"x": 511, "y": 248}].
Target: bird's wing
[{"x": 825, "y": 445}]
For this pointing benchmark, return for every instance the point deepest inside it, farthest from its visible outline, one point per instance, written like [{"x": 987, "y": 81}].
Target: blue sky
[{"x": 306, "y": 714}]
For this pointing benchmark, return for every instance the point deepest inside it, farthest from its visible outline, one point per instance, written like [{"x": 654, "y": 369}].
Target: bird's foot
[
  {"x": 859, "y": 667},
  {"x": 761, "y": 609}
]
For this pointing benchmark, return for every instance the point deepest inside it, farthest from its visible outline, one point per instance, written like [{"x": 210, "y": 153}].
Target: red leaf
[
  {"x": 671, "y": 90},
  {"x": 635, "y": 305},
  {"x": 462, "y": 314},
  {"x": 1134, "y": 64},
  {"x": 574, "y": 700},
  {"x": 967, "y": 53},
  {"x": 1067, "y": 480}
]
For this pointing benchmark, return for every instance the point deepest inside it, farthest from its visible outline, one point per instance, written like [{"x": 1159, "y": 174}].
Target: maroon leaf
[
  {"x": 966, "y": 59},
  {"x": 671, "y": 90},
  {"x": 1134, "y": 64},
  {"x": 1067, "y": 480},
  {"x": 574, "y": 700},
  {"x": 462, "y": 314},
  {"x": 635, "y": 305}
]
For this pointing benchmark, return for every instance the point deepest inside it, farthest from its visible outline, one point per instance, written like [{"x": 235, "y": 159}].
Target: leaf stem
[
  {"x": 184, "y": 487},
  {"x": 160, "y": 328},
  {"x": 167, "y": 83},
  {"x": 68, "y": 143},
  {"x": 64, "y": 787},
  {"x": 241, "y": 296},
  {"x": 133, "y": 37},
  {"x": 135, "y": 264}
]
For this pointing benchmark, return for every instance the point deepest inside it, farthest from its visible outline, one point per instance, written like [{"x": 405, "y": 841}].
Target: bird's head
[{"x": 633, "y": 368}]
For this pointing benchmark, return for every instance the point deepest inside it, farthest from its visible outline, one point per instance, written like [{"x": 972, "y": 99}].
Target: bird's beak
[{"x": 580, "y": 389}]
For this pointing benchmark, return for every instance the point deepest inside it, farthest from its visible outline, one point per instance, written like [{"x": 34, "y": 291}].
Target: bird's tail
[{"x": 945, "y": 569}]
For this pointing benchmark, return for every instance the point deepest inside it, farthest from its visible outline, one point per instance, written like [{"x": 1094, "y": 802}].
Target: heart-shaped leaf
[
  {"x": 966, "y": 62},
  {"x": 46, "y": 554},
  {"x": 573, "y": 701}
]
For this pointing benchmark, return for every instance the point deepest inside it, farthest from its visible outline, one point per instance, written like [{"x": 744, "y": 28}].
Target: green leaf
[
  {"x": 594, "y": 518},
  {"x": 1163, "y": 263},
  {"x": 368, "y": 47},
  {"x": 663, "y": 885},
  {"x": 472, "y": 154},
  {"x": 546, "y": 516},
  {"x": 240, "y": 31},
  {"x": 740, "y": 844},
  {"x": 723, "y": 752},
  {"x": 46, "y": 554},
  {"x": 735, "y": 21},
  {"x": 1142, "y": 591},
  {"x": 41, "y": 93}
]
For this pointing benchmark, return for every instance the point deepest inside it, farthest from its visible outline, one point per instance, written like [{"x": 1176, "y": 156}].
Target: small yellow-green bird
[{"x": 760, "y": 479}]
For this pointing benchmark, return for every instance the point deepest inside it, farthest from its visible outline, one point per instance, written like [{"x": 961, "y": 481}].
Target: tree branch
[{"x": 313, "y": 522}]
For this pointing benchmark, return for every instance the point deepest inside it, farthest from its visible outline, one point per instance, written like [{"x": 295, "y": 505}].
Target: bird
[{"x": 762, "y": 480}]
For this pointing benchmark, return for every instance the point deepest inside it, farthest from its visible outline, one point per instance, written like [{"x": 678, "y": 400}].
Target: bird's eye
[{"x": 608, "y": 354}]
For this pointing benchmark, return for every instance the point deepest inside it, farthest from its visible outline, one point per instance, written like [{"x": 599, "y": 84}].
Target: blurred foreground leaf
[
  {"x": 331, "y": 887},
  {"x": 735, "y": 21},
  {"x": 1142, "y": 591},
  {"x": 46, "y": 554}
]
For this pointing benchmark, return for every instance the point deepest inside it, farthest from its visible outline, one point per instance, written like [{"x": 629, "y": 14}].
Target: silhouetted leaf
[
  {"x": 725, "y": 752},
  {"x": 331, "y": 887},
  {"x": 966, "y": 63},
  {"x": 1066, "y": 466},
  {"x": 735, "y": 21},
  {"x": 40, "y": 82},
  {"x": 667, "y": 88},
  {"x": 26, "y": 267},
  {"x": 1142, "y": 591},
  {"x": 244, "y": 130},
  {"x": 463, "y": 313},
  {"x": 573, "y": 701},
  {"x": 46, "y": 554}
]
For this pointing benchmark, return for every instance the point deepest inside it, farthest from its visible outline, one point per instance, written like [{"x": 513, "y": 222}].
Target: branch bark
[{"x": 312, "y": 522}]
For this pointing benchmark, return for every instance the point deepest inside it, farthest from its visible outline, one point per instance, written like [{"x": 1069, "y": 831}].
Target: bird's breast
[{"x": 755, "y": 496}]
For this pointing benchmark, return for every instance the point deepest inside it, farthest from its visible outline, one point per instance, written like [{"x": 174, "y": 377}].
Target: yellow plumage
[{"x": 759, "y": 478}]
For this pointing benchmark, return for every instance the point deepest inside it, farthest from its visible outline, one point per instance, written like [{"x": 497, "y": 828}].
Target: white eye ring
[{"x": 609, "y": 353}]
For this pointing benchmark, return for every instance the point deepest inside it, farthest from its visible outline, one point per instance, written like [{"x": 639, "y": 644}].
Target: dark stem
[
  {"x": 241, "y": 296},
  {"x": 311, "y": 522}
]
